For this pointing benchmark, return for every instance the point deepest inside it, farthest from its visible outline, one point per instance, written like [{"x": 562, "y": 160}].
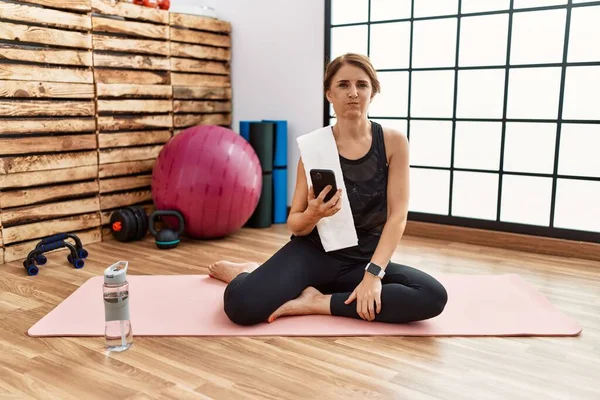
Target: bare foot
[
  {"x": 227, "y": 270},
  {"x": 310, "y": 301}
]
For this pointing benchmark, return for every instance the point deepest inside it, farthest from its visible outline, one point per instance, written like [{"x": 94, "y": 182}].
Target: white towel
[{"x": 318, "y": 150}]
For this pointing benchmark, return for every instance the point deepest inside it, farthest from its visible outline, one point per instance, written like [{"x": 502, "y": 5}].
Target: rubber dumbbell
[{"x": 129, "y": 224}]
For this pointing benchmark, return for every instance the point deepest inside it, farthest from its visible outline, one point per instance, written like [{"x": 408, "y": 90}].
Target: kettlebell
[{"x": 166, "y": 238}]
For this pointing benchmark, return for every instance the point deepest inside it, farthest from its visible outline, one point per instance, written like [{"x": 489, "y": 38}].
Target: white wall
[{"x": 277, "y": 65}]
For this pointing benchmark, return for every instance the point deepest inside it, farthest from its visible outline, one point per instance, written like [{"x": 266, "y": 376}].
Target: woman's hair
[{"x": 357, "y": 60}]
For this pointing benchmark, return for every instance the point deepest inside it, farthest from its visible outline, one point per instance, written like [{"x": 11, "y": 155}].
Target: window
[{"x": 499, "y": 101}]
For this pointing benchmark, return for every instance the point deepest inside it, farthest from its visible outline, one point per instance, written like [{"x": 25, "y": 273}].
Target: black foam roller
[
  {"x": 263, "y": 215},
  {"x": 262, "y": 140}
]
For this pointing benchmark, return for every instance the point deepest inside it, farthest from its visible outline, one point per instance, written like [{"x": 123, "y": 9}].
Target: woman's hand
[
  {"x": 368, "y": 297},
  {"x": 318, "y": 209}
]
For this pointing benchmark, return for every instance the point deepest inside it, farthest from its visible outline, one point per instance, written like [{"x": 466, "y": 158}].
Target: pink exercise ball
[{"x": 212, "y": 176}]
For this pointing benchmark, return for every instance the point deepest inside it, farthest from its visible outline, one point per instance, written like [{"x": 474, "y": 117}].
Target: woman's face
[{"x": 350, "y": 92}]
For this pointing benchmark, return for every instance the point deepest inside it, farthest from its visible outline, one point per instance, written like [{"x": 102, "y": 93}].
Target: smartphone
[{"x": 320, "y": 179}]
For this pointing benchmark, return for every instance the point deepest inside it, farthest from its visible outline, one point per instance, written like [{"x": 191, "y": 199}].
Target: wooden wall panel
[
  {"x": 134, "y": 100},
  {"x": 1, "y": 245},
  {"x": 90, "y": 91},
  {"x": 48, "y": 144},
  {"x": 74, "y": 5},
  {"x": 200, "y": 50}
]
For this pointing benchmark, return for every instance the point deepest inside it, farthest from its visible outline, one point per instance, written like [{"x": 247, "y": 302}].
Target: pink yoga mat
[{"x": 192, "y": 305}]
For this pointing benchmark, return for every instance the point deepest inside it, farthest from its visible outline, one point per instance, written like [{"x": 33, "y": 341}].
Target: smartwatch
[{"x": 375, "y": 269}]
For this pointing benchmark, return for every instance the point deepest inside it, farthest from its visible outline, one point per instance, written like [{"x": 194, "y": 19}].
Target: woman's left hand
[{"x": 368, "y": 297}]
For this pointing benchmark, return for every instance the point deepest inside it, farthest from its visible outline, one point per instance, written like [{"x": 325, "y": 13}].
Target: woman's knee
[
  {"x": 438, "y": 298},
  {"x": 242, "y": 312},
  {"x": 243, "y": 308},
  {"x": 426, "y": 302}
]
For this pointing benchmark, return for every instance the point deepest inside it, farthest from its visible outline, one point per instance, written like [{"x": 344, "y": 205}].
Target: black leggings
[{"x": 407, "y": 294}]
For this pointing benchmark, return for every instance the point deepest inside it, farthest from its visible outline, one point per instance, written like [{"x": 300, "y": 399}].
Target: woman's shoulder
[{"x": 395, "y": 141}]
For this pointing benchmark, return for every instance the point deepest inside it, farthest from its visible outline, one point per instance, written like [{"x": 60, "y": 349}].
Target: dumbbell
[{"x": 129, "y": 224}]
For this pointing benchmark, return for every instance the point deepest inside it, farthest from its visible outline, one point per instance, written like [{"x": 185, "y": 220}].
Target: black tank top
[{"x": 366, "y": 186}]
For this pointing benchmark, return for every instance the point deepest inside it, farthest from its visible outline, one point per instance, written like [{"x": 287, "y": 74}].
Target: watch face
[{"x": 374, "y": 269}]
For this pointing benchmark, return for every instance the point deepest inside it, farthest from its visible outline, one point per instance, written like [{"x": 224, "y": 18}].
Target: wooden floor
[{"x": 299, "y": 368}]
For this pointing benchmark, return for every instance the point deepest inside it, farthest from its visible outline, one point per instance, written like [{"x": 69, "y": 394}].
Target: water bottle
[{"x": 118, "y": 334}]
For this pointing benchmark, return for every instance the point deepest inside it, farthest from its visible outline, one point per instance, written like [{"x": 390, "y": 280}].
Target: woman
[{"x": 357, "y": 282}]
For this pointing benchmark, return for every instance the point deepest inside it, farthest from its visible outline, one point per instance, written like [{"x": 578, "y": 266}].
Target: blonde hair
[{"x": 357, "y": 60}]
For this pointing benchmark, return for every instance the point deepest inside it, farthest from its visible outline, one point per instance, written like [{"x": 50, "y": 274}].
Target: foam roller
[
  {"x": 245, "y": 129},
  {"x": 263, "y": 215},
  {"x": 279, "y": 195},
  {"x": 262, "y": 138},
  {"x": 280, "y": 146}
]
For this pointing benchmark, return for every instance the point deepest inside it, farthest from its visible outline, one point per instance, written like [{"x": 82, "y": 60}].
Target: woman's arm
[
  {"x": 299, "y": 222},
  {"x": 307, "y": 210},
  {"x": 398, "y": 193},
  {"x": 368, "y": 292}
]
